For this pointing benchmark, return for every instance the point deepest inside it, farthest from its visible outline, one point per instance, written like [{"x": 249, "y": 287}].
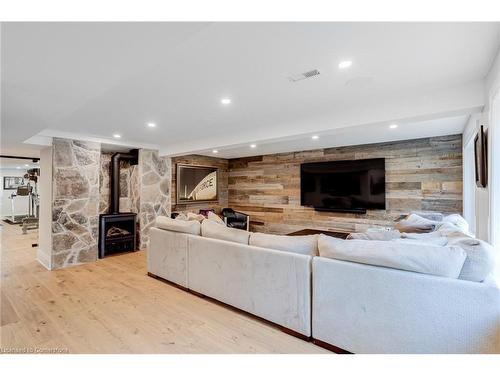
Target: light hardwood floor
[{"x": 112, "y": 306}]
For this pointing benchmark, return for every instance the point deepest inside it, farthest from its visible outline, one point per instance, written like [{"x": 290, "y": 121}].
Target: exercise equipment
[{"x": 29, "y": 221}]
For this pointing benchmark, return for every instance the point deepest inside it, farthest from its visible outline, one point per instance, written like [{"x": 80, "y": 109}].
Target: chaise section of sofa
[{"x": 369, "y": 309}]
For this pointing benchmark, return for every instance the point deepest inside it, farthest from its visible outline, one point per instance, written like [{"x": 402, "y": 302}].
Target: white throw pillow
[
  {"x": 414, "y": 219},
  {"x": 215, "y": 218},
  {"x": 416, "y": 224},
  {"x": 433, "y": 216},
  {"x": 433, "y": 260},
  {"x": 307, "y": 245},
  {"x": 480, "y": 260},
  {"x": 197, "y": 217},
  {"x": 436, "y": 241},
  {"x": 214, "y": 230},
  {"x": 183, "y": 226},
  {"x": 181, "y": 216},
  {"x": 379, "y": 235},
  {"x": 422, "y": 236},
  {"x": 458, "y": 221}
]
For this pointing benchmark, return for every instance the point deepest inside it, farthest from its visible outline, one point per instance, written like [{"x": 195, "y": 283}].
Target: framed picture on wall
[
  {"x": 481, "y": 158},
  {"x": 12, "y": 182},
  {"x": 196, "y": 184}
]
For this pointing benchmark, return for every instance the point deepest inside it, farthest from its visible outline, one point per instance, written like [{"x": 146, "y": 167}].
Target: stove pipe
[{"x": 133, "y": 158}]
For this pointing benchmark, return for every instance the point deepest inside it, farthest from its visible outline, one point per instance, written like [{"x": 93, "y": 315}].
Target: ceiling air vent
[{"x": 300, "y": 77}]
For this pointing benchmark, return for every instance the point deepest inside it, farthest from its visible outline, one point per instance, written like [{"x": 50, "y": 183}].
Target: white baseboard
[{"x": 44, "y": 259}]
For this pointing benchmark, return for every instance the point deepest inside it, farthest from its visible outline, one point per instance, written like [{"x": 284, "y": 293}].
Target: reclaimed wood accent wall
[
  {"x": 421, "y": 174},
  {"x": 206, "y": 161}
]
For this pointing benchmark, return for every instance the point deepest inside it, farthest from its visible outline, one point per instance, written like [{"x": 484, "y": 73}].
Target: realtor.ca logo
[{"x": 34, "y": 350}]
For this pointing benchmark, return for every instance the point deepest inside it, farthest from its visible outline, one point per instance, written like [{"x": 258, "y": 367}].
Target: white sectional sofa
[{"x": 342, "y": 305}]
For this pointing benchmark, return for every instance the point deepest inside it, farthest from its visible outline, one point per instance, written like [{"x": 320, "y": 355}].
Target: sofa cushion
[
  {"x": 380, "y": 235},
  {"x": 212, "y": 229},
  {"x": 195, "y": 217},
  {"x": 436, "y": 241},
  {"x": 215, "y": 218},
  {"x": 416, "y": 224},
  {"x": 480, "y": 260},
  {"x": 458, "y": 221},
  {"x": 181, "y": 216},
  {"x": 307, "y": 245},
  {"x": 433, "y": 260},
  {"x": 422, "y": 236},
  {"x": 183, "y": 226},
  {"x": 434, "y": 216}
]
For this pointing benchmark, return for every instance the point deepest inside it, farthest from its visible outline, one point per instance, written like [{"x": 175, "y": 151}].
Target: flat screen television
[{"x": 344, "y": 186}]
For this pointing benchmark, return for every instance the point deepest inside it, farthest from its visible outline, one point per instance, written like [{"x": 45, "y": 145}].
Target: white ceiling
[
  {"x": 22, "y": 164},
  {"x": 352, "y": 135},
  {"x": 90, "y": 80}
]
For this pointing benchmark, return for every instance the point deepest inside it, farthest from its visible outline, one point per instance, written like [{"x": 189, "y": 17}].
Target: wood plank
[{"x": 421, "y": 174}]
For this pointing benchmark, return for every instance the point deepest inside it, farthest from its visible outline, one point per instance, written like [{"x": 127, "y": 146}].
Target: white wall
[
  {"x": 44, "y": 251},
  {"x": 493, "y": 112},
  {"x": 483, "y": 196},
  {"x": 20, "y": 203}
]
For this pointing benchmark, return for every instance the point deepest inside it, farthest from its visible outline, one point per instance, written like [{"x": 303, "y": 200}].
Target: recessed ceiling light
[
  {"x": 315, "y": 137},
  {"x": 18, "y": 167},
  {"x": 225, "y": 101},
  {"x": 117, "y": 136},
  {"x": 151, "y": 125},
  {"x": 393, "y": 126},
  {"x": 26, "y": 165},
  {"x": 253, "y": 145},
  {"x": 345, "y": 64},
  {"x": 215, "y": 151}
]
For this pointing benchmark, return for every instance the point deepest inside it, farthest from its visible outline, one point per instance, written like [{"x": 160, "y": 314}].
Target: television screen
[
  {"x": 196, "y": 184},
  {"x": 347, "y": 185}
]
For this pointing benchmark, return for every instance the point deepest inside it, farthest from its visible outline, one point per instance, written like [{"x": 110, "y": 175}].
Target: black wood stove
[{"x": 117, "y": 231}]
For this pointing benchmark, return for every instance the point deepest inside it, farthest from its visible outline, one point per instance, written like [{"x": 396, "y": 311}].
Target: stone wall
[
  {"x": 75, "y": 204},
  {"x": 421, "y": 174},
  {"x": 153, "y": 195}
]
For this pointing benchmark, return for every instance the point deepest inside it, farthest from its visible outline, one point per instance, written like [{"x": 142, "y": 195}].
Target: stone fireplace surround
[{"x": 80, "y": 192}]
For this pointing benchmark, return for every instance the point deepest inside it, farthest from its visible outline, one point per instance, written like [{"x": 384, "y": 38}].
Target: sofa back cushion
[
  {"x": 436, "y": 241},
  {"x": 194, "y": 216},
  {"x": 211, "y": 229},
  {"x": 480, "y": 260},
  {"x": 379, "y": 235},
  {"x": 183, "y": 226},
  {"x": 215, "y": 218},
  {"x": 416, "y": 224},
  {"x": 433, "y": 260},
  {"x": 307, "y": 245},
  {"x": 458, "y": 221}
]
